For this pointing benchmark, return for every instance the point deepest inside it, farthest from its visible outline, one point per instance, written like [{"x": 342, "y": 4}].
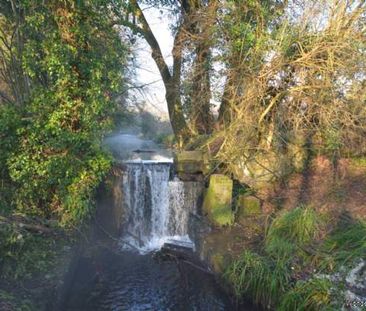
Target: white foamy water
[{"x": 156, "y": 209}]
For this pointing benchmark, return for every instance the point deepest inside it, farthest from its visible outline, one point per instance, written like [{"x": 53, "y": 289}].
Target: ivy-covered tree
[{"x": 73, "y": 63}]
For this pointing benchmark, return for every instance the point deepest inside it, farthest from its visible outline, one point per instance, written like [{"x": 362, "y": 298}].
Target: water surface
[{"x": 129, "y": 281}]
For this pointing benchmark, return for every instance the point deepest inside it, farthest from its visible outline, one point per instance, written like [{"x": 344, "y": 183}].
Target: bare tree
[{"x": 306, "y": 81}]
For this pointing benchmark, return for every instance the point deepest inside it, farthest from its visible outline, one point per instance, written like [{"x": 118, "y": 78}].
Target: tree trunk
[
  {"x": 176, "y": 115},
  {"x": 201, "y": 29},
  {"x": 201, "y": 93},
  {"x": 171, "y": 81}
]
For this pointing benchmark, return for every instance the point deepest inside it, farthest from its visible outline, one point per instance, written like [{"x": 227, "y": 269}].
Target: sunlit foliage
[{"x": 73, "y": 62}]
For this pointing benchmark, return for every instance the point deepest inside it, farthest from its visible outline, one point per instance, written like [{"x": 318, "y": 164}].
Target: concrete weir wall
[{"x": 109, "y": 201}]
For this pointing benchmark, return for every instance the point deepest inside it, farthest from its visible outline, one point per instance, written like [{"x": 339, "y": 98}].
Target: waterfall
[{"x": 156, "y": 209}]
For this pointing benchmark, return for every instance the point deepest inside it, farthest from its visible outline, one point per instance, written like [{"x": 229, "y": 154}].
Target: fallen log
[{"x": 22, "y": 223}]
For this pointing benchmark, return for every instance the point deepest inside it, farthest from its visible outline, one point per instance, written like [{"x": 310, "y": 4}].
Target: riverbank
[
  {"x": 300, "y": 257},
  {"x": 293, "y": 256},
  {"x": 33, "y": 265}
]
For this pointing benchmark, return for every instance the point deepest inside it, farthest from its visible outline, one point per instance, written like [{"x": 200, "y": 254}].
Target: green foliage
[
  {"x": 74, "y": 61},
  {"x": 332, "y": 140},
  {"x": 153, "y": 127},
  {"x": 299, "y": 226},
  {"x": 9, "y": 122},
  {"x": 264, "y": 281},
  {"x": 310, "y": 295},
  {"x": 9, "y": 302},
  {"x": 51, "y": 160},
  {"x": 245, "y": 24},
  {"x": 359, "y": 161},
  {"x": 29, "y": 258},
  {"x": 22, "y": 254},
  {"x": 167, "y": 140},
  {"x": 343, "y": 246}
]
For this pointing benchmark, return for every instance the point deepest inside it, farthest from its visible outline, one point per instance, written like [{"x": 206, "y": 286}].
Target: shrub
[
  {"x": 310, "y": 295},
  {"x": 262, "y": 280},
  {"x": 299, "y": 226},
  {"x": 344, "y": 245}
]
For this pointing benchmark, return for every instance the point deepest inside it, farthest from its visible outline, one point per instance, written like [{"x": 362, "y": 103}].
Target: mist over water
[{"x": 131, "y": 147}]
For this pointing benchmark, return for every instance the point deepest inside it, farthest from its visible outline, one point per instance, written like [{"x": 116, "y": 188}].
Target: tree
[
  {"x": 190, "y": 30},
  {"x": 292, "y": 85},
  {"x": 14, "y": 84},
  {"x": 73, "y": 64}
]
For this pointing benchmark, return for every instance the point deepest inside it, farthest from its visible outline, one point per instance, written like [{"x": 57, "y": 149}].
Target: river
[{"x": 129, "y": 274}]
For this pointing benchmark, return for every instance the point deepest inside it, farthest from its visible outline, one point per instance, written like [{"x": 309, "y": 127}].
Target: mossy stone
[
  {"x": 248, "y": 206},
  {"x": 191, "y": 162},
  {"x": 217, "y": 200}
]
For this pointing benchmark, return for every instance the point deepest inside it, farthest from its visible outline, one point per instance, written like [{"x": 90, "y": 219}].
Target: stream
[
  {"x": 130, "y": 274},
  {"x": 130, "y": 281}
]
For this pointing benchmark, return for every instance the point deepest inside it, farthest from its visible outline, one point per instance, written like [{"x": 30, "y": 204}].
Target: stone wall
[{"x": 109, "y": 214}]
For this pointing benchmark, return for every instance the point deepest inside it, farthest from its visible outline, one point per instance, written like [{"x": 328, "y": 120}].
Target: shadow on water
[{"x": 129, "y": 281}]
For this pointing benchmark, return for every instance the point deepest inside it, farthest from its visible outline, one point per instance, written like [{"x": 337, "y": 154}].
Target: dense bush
[
  {"x": 23, "y": 253},
  {"x": 9, "y": 122},
  {"x": 73, "y": 60}
]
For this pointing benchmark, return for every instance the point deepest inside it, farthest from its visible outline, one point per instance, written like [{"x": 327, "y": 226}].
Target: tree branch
[
  {"x": 4, "y": 97},
  {"x": 22, "y": 223},
  {"x": 156, "y": 54}
]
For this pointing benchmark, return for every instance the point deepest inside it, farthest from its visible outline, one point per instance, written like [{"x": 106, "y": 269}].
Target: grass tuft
[
  {"x": 300, "y": 225},
  {"x": 262, "y": 280},
  {"x": 280, "y": 248},
  {"x": 310, "y": 295},
  {"x": 344, "y": 245}
]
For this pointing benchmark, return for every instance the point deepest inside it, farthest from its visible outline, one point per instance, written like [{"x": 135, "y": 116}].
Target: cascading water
[
  {"x": 151, "y": 208},
  {"x": 156, "y": 208}
]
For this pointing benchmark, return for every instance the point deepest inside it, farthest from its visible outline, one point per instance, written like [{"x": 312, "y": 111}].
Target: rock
[
  {"x": 177, "y": 249},
  {"x": 190, "y": 162},
  {"x": 109, "y": 214},
  {"x": 217, "y": 200},
  {"x": 256, "y": 171},
  {"x": 247, "y": 206},
  {"x": 356, "y": 278},
  {"x": 261, "y": 170},
  {"x": 354, "y": 291},
  {"x": 354, "y": 302}
]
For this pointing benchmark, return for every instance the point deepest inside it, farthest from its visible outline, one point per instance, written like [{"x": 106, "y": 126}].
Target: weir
[
  {"x": 144, "y": 207},
  {"x": 156, "y": 206}
]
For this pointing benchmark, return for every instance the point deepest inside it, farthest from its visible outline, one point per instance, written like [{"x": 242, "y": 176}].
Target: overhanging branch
[{"x": 156, "y": 53}]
